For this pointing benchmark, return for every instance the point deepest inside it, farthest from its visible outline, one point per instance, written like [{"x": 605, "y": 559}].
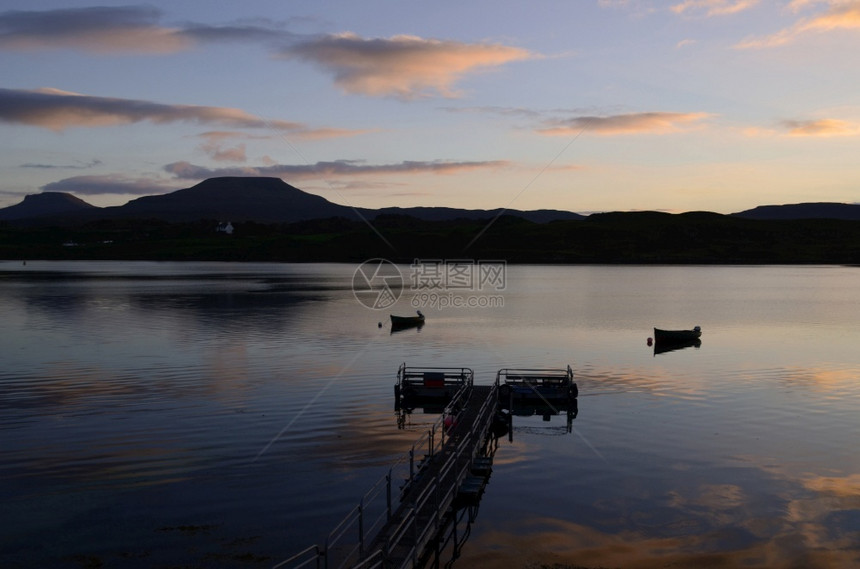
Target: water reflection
[
  {"x": 707, "y": 524},
  {"x": 456, "y": 525},
  {"x": 568, "y": 409},
  {"x": 211, "y": 302},
  {"x": 255, "y": 401},
  {"x": 664, "y": 346},
  {"x": 414, "y": 327},
  {"x": 404, "y": 413}
]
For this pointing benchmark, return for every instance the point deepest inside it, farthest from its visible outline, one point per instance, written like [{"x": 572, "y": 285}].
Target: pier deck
[
  {"x": 429, "y": 496},
  {"x": 394, "y": 532}
]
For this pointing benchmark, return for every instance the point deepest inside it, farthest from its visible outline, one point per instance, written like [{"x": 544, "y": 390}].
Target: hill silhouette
[
  {"x": 258, "y": 199},
  {"x": 265, "y": 200},
  {"x": 271, "y": 200},
  {"x": 275, "y": 221},
  {"x": 815, "y": 210},
  {"x": 46, "y": 204}
]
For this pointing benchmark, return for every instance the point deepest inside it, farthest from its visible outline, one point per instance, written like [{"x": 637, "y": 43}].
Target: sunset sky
[{"x": 592, "y": 105}]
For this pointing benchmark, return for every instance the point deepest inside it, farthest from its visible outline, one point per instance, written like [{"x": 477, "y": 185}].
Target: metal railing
[
  {"x": 432, "y": 378},
  {"x": 535, "y": 375},
  {"x": 348, "y": 543}
]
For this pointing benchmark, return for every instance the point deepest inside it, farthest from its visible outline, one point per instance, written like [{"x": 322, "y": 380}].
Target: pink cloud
[
  {"x": 713, "y": 7},
  {"x": 821, "y": 127},
  {"x": 837, "y": 15},
  {"x": 402, "y": 66},
  {"x": 633, "y": 123}
]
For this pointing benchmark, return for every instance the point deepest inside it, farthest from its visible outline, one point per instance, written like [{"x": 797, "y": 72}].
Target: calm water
[{"x": 228, "y": 415}]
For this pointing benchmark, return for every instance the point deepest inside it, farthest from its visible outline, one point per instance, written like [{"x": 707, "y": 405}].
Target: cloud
[
  {"x": 325, "y": 132},
  {"x": 636, "y": 7},
  {"x": 632, "y": 123},
  {"x": 77, "y": 166},
  {"x": 186, "y": 170},
  {"x": 108, "y": 184},
  {"x": 402, "y": 66},
  {"x": 220, "y": 153},
  {"x": 269, "y": 34},
  {"x": 58, "y": 110},
  {"x": 818, "y": 128},
  {"x": 216, "y": 144},
  {"x": 841, "y": 15},
  {"x": 126, "y": 29},
  {"x": 836, "y": 15},
  {"x": 821, "y": 127},
  {"x": 97, "y": 29},
  {"x": 494, "y": 110},
  {"x": 713, "y": 7},
  {"x": 798, "y": 5},
  {"x": 613, "y": 3}
]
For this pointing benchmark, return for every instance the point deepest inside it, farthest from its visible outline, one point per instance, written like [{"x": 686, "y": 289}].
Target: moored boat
[
  {"x": 677, "y": 336},
  {"x": 400, "y": 322}
]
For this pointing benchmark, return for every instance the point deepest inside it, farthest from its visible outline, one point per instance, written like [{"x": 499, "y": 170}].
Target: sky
[{"x": 585, "y": 106}]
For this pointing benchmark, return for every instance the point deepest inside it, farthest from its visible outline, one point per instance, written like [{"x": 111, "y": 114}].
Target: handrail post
[
  {"x": 388, "y": 494},
  {"x": 436, "y": 492},
  {"x": 411, "y": 464},
  {"x": 361, "y": 527},
  {"x": 431, "y": 435},
  {"x": 325, "y": 553},
  {"x": 414, "y": 535}
]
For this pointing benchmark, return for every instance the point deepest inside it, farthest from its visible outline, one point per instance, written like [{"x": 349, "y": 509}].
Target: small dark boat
[
  {"x": 401, "y": 322},
  {"x": 677, "y": 336}
]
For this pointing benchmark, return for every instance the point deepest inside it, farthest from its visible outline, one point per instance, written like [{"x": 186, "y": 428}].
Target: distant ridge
[
  {"x": 271, "y": 200},
  {"x": 334, "y": 233},
  {"x": 812, "y": 210},
  {"x": 46, "y": 204},
  {"x": 446, "y": 213},
  {"x": 237, "y": 199}
]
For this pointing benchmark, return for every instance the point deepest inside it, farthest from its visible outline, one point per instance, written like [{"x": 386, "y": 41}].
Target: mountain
[
  {"x": 265, "y": 200},
  {"x": 819, "y": 210},
  {"x": 260, "y": 199},
  {"x": 46, "y": 204},
  {"x": 446, "y": 213},
  {"x": 271, "y": 200}
]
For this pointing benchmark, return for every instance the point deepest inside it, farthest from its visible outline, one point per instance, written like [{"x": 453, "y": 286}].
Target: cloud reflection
[
  {"x": 552, "y": 542},
  {"x": 763, "y": 517}
]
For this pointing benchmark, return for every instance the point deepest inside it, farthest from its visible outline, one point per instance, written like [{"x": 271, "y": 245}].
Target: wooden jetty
[{"x": 392, "y": 527}]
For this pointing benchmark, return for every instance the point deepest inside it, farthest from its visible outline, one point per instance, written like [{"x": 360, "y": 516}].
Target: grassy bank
[{"x": 646, "y": 237}]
